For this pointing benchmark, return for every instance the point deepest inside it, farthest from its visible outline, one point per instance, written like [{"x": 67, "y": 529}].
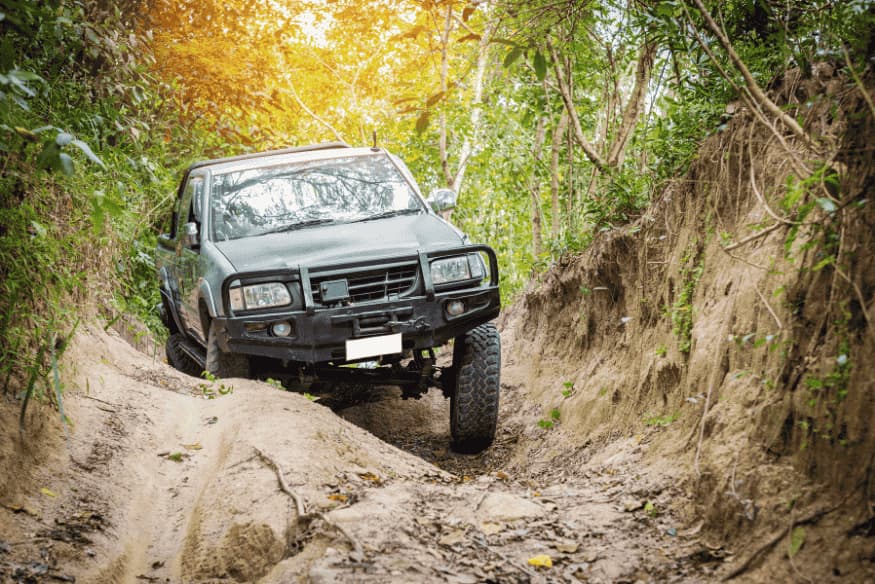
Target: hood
[{"x": 330, "y": 244}]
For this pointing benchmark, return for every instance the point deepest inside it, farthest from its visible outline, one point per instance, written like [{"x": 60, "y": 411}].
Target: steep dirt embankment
[
  {"x": 730, "y": 332},
  {"x": 166, "y": 478}
]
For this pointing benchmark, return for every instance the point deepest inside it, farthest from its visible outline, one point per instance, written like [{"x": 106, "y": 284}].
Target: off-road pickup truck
[{"x": 325, "y": 265}]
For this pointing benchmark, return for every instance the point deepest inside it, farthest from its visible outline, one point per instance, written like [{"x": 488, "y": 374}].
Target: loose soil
[{"x": 162, "y": 478}]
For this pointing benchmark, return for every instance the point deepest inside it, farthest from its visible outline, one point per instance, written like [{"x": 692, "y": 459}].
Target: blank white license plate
[{"x": 373, "y": 346}]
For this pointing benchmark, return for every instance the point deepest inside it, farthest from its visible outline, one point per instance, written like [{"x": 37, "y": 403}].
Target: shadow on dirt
[{"x": 420, "y": 427}]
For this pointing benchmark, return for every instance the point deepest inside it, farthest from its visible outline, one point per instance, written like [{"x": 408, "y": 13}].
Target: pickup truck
[{"x": 325, "y": 264}]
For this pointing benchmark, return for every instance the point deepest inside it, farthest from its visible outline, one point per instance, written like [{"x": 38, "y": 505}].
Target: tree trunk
[
  {"x": 565, "y": 90},
  {"x": 558, "y": 134},
  {"x": 633, "y": 106},
  {"x": 535, "y": 189},
  {"x": 476, "y": 110},
  {"x": 445, "y": 42}
]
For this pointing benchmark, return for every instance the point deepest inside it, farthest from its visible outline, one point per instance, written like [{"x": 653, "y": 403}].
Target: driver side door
[{"x": 188, "y": 258}]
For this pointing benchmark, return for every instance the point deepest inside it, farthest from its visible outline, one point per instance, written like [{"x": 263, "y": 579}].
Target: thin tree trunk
[
  {"x": 633, "y": 106},
  {"x": 558, "y": 134},
  {"x": 445, "y": 41},
  {"x": 535, "y": 188},
  {"x": 476, "y": 109}
]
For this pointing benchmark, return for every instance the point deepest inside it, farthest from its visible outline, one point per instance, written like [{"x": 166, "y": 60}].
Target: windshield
[{"x": 272, "y": 199}]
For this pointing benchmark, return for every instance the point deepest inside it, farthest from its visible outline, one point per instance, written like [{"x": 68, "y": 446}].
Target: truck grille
[{"x": 371, "y": 284}]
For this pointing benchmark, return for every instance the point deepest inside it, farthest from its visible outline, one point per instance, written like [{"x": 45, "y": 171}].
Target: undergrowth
[{"x": 85, "y": 132}]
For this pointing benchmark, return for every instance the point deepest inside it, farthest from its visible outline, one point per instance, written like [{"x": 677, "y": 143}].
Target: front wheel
[
  {"x": 220, "y": 363},
  {"x": 474, "y": 402},
  {"x": 178, "y": 358}
]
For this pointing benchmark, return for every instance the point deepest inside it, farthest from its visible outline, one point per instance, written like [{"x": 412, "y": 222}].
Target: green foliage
[
  {"x": 661, "y": 421},
  {"x": 681, "y": 312},
  {"x": 797, "y": 540},
  {"x": 211, "y": 390},
  {"x": 545, "y": 424},
  {"x": 569, "y": 389},
  {"x": 276, "y": 384},
  {"x": 85, "y": 144}
]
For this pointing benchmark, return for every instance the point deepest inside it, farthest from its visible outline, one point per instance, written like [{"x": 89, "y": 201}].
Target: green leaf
[
  {"x": 540, "y": 65},
  {"x": 66, "y": 163},
  {"x": 797, "y": 540},
  {"x": 25, "y": 75},
  {"x": 88, "y": 152},
  {"x": 422, "y": 122},
  {"x": 827, "y": 205},
  {"x": 48, "y": 159},
  {"x": 512, "y": 56}
]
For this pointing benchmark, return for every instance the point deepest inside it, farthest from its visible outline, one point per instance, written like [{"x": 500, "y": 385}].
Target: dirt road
[{"x": 165, "y": 478}]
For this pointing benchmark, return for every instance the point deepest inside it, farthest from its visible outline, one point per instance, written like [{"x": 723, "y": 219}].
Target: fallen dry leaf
[
  {"x": 47, "y": 492},
  {"x": 369, "y": 476},
  {"x": 541, "y": 561},
  {"x": 338, "y": 497},
  {"x": 195, "y": 446}
]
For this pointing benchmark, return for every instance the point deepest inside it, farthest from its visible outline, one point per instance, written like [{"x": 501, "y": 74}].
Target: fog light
[
  {"x": 281, "y": 329},
  {"x": 455, "y": 307}
]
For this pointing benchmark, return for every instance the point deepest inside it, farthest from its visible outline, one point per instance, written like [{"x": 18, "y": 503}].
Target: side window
[{"x": 186, "y": 206}]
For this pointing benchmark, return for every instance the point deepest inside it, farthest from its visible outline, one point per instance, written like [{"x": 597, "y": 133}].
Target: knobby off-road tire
[
  {"x": 474, "y": 403},
  {"x": 222, "y": 364},
  {"x": 178, "y": 358}
]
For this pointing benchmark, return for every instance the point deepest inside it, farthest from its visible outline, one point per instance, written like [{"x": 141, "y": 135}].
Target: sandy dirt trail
[{"x": 166, "y": 478}]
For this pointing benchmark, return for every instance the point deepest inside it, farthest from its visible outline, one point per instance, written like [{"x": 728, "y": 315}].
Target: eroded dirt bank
[
  {"x": 158, "y": 483},
  {"x": 732, "y": 325}
]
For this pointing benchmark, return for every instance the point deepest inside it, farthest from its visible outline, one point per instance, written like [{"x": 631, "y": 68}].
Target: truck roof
[{"x": 282, "y": 151}]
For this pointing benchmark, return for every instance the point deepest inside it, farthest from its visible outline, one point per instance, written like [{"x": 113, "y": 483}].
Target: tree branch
[
  {"x": 759, "y": 96},
  {"x": 565, "y": 92},
  {"x": 310, "y": 112}
]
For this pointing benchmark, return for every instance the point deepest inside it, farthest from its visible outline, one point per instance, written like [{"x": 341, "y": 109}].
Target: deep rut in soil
[{"x": 170, "y": 479}]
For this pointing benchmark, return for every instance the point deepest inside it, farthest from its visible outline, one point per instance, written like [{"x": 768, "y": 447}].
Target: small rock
[
  {"x": 567, "y": 547},
  {"x": 505, "y": 507},
  {"x": 630, "y": 505}
]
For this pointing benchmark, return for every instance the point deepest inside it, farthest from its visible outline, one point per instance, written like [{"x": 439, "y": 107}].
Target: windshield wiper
[
  {"x": 299, "y": 225},
  {"x": 386, "y": 214}
]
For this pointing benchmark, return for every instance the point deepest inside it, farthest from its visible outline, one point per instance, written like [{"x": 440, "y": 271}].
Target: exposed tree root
[{"x": 304, "y": 520}]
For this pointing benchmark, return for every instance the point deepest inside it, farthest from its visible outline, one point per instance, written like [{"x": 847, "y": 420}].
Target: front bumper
[{"x": 319, "y": 332}]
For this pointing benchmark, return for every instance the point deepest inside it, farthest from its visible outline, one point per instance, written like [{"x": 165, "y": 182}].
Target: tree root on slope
[{"x": 305, "y": 520}]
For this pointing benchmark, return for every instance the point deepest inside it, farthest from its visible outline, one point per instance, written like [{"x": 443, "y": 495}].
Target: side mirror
[
  {"x": 442, "y": 200},
  {"x": 189, "y": 235}
]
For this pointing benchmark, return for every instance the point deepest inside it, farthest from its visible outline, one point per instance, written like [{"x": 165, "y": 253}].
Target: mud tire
[
  {"x": 474, "y": 403},
  {"x": 178, "y": 358},
  {"x": 222, "y": 364}
]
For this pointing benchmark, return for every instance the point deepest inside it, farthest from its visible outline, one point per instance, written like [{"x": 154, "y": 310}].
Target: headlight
[
  {"x": 264, "y": 295},
  {"x": 450, "y": 270},
  {"x": 478, "y": 268}
]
